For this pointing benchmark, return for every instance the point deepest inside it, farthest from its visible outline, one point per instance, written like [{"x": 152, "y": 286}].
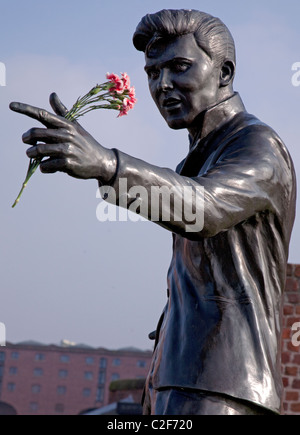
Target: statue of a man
[{"x": 217, "y": 347}]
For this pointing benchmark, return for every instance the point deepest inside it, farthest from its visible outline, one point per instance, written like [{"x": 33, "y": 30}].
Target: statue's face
[{"x": 183, "y": 80}]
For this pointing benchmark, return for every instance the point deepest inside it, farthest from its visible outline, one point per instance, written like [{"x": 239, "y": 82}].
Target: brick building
[
  {"x": 53, "y": 380},
  {"x": 291, "y": 342},
  {"x": 64, "y": 380}
]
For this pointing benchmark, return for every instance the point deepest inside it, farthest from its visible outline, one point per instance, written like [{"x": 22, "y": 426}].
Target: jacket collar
[
  {"x": 217, "y": 116},
  {"x": 213, "y": 121}
]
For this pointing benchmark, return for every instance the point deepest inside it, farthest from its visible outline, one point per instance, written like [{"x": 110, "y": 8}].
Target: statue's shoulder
[{"x": 249, "y": 129}]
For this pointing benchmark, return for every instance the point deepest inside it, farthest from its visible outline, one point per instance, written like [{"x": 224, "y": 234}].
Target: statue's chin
[{"x": 177, "y": 124}]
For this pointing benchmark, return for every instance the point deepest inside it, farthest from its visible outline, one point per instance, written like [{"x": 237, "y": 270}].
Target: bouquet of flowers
[{"x": 116, "y": 94}]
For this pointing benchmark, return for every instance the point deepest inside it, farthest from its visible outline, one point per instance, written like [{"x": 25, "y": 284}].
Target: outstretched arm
[{"x": 253, "y": 175}]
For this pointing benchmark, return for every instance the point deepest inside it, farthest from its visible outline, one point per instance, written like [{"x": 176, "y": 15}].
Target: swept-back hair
[{"x": 210, "y": 32}]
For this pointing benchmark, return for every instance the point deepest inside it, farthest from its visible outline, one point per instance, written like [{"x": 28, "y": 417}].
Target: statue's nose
[{"x": 165, "y": 80}]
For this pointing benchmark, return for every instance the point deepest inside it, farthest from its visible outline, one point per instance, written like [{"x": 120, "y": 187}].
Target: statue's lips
[{"x": 171, "y": 103}]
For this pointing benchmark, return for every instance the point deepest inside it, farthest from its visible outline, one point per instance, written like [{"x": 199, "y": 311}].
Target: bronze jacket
[{"x": 221, "y": 328}]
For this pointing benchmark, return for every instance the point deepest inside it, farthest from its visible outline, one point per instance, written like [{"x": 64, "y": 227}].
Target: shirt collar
[{"x": 218, "y": 115}]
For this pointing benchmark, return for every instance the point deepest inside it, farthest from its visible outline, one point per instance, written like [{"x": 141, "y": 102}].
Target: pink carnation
[
  {"x": 132, "y": 92},
  {"x": 126, "y": 81},
  {"x": 125, "y": 108},
  {"x": 117, "y": 82},
  {"x": 126, "y": 94},
  {"x": 131, "y": 103},
  {"x": 132, "y": 99}
]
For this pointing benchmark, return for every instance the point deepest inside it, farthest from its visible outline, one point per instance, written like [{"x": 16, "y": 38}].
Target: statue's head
[{"x": 190, "y": 62}]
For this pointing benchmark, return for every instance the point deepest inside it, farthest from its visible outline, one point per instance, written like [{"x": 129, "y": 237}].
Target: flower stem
[{"x": 33, "y": 165}]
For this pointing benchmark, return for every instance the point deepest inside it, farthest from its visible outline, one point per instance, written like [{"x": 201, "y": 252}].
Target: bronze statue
[{"x": 217, "y": 348}]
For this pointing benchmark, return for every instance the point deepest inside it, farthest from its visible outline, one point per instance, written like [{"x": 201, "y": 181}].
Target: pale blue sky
[{"x": 64, "y": 274}]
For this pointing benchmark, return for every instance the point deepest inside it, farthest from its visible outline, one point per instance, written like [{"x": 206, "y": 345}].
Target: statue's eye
[
  {"x": 153, "y": 74},
  {"x": 180, "y": 66}
]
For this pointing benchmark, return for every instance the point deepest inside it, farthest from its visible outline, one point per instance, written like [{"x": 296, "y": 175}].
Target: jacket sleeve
[{"x": 253, "y": 174}]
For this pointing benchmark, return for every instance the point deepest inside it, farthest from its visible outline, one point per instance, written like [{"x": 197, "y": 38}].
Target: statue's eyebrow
[{"x": 168, "y": 62}]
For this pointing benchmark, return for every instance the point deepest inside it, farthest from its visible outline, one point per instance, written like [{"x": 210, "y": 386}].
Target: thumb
[{"x": 58, "y": 107}]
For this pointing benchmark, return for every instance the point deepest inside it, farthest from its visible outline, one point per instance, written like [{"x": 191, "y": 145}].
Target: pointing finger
[{"x": 45, "y": 117}]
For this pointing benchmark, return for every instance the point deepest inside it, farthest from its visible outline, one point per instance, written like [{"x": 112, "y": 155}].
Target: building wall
[
  {"x": 53, "y": 380},
  {"x": 291, "y": 342}
]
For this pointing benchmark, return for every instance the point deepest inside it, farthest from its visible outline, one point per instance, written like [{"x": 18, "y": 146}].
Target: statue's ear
[{"x": 227, "y": 73}]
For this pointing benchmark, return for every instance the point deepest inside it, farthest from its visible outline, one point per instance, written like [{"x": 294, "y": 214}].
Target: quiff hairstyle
[{"x": 210, "y": 32}]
